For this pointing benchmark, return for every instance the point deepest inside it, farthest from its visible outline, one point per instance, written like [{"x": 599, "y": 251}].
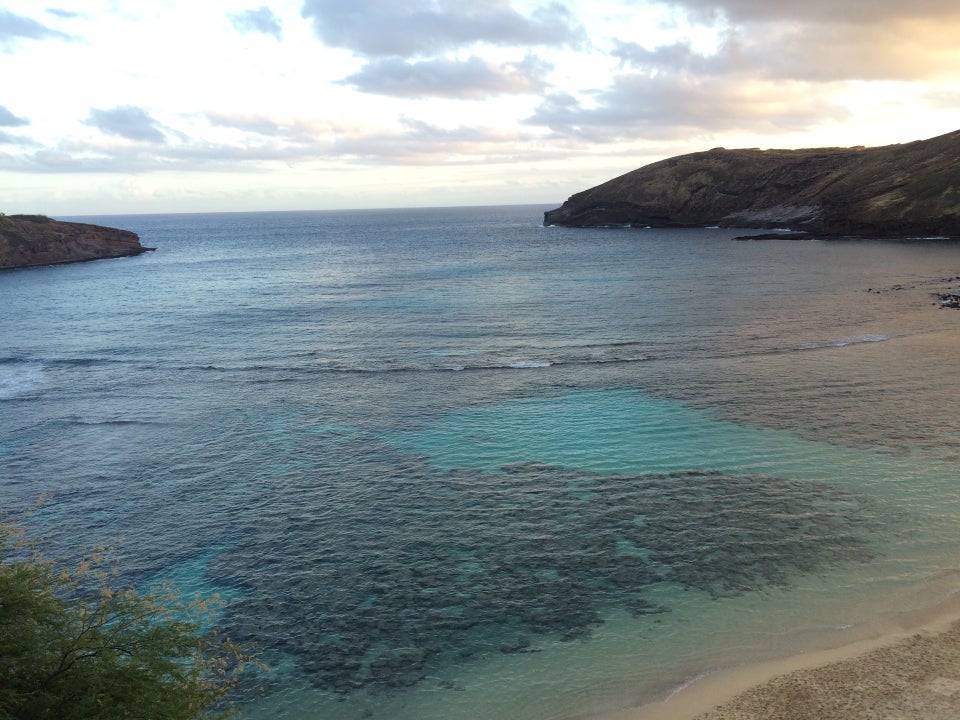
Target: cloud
[
  {"x": 418, "y": 142},
  {"x": 680, "y": 105},
  {"x": 410, "y": 28},
  {"x": 10, "y": 139},
  {"x": 681, "y": 57},
  {"x": 892, "y": 51},
  {"x": 8, "y": 119},
  {"x": 939, "y": 98},
  {"x": 248, "y": 123},
  {"x": 293, "y": 133},
  {"x": 413, "y": 142},
  {"x": 785, "y": 54},
  {"x": 126, "y": 121},
  {"x": 16, "y": 27},
  {"x": 825, "y": 40},
  {"x": 857, "y": 12},
  {"x": 59, "y": 12},
  {"x": 474, "y": 78},
  {"x": 259, "y": 144},
  {"x": 262, "y": 21}
]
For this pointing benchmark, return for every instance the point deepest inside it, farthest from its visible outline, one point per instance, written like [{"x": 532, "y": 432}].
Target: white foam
[
  {"x": 844, "y": 342},
  {"x": 524, "y": 364},
  {"x": 19, "y": 378},
  {"x": 683, "y": 686}
]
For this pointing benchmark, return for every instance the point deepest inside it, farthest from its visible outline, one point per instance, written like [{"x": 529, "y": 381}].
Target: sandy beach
[{"x": 908, "y": 669}]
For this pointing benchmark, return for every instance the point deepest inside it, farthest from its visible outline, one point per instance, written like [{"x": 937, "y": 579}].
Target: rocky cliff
[
  {"x": 29, "y": 240},
  {"x": 891, "y": 191}
]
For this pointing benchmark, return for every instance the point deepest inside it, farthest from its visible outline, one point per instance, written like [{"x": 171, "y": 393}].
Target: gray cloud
[
  {"x": 255, "y": 124},
  {"x": 416, "y": 142},
  {"x": 292, "y": 134},
  {"x": 56, "y": 161},
  {"x": 59, "y": 12},
  {"x": 8, "y": 119},
  {"x": 409, "y": 28},
  {"x": 681, "y": 57},
  {"x": 474, "y": 78},
  {"x": 127, "y": 121},
  {"x": 777, "y": 67},
  {"x": 16, "y": 27},
  {"x": 856, "y": 12},
  {"x": 421, "y": 143},
  {"x": 889, "y": 51},
  {"x": 10, "y": 139},
  {"x": 826, "y": 40},
  {"x": 811, "y": 52},
  {"x": 267, "y": 142},
  {"x": 262, "y": 21},
  {"x": 670, "y": 106}
]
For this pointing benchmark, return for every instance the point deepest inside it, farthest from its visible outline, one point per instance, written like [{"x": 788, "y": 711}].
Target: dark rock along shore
[
  {"x": 904, "y": 190},
  {"x": 32, "y": 240}
]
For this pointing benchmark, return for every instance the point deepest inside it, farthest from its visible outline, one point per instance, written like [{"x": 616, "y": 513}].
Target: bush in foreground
[{"x": 72, "y": 647}]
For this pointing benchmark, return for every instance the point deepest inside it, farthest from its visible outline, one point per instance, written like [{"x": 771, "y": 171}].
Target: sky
[{"x": 134, "y": 106}]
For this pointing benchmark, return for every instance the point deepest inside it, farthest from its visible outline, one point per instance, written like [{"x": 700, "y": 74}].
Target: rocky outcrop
[
  {"x": 30, "y": 240},
  {"x": 891, "y": 191}
]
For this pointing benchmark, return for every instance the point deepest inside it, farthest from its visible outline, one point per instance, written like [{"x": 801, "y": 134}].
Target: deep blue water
[{"x": 449, "y": 463}]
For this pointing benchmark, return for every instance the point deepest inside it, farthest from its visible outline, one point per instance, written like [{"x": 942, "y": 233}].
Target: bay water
[{"x": 448, "y": 463}]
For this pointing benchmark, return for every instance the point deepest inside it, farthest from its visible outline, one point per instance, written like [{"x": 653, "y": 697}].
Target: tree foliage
[{"x": 72, "y": 647}]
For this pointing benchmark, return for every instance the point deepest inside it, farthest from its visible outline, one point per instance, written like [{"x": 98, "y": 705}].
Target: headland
[
  {"x": 903, "y": 190},
  {"x": 34, "y": 240}
]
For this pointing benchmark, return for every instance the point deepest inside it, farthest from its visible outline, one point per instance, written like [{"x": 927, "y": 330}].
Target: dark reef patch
[{"x": 419, "y": 563}]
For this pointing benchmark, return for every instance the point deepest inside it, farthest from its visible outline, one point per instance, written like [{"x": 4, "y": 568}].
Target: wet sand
[{"x": 908, "y": 670}]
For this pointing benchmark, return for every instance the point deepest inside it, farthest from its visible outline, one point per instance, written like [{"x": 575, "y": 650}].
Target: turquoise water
[{"x": 451, "y": 464}]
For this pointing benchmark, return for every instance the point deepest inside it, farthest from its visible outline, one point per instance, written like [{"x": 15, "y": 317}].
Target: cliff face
[
  {"x": 895, "y": 190},
  {"x": 29, "y": 240}
]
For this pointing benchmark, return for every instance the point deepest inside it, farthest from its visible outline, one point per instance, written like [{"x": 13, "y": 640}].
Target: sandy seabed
[{"x": 909, "y": 671}]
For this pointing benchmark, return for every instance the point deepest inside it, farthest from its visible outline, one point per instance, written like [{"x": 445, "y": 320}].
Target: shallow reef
[{"x": 410, "y": 563}]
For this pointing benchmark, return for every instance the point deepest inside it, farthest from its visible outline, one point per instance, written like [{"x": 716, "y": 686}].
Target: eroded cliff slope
[
  {"x": 911, "y": 189},
  {"x": 29, "y": 240}
]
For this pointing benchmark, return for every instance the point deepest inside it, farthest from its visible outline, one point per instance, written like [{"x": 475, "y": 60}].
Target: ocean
[{"x": 450, "y": 464}]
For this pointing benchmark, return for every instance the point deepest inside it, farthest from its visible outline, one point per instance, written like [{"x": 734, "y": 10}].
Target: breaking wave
[
  {"x": 316, "y": 363},
  {"x": 18, "y": 378},
  {"x": 844, "y": 342}
]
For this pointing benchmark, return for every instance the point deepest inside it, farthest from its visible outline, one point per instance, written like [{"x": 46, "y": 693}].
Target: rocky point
[
  {"x": 31, "y": 240},
  {"x": 903, "y": 190}
]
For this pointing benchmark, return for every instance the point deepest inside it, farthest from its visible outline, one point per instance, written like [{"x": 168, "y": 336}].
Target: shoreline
[{"x": 901, "y": 666}]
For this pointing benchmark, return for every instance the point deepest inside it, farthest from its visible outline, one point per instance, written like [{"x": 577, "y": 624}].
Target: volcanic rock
[
  {"x": 31, "y": 240},
  {"x": 903, "y": 190}
]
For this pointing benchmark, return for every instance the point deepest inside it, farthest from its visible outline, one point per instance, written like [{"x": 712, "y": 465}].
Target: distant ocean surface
[{"x": 450, "y": 464}]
